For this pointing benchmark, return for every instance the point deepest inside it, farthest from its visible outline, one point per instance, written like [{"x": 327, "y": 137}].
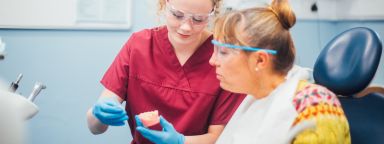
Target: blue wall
[{"x": 72, "y": 62}]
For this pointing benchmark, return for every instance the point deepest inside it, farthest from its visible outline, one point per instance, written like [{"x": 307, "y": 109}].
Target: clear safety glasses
[
  {"x": 224, "y": 49},
  {"x": 197, "y": 19}
]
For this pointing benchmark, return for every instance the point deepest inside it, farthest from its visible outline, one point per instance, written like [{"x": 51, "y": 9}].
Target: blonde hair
[{"x": 266, "y": 27}]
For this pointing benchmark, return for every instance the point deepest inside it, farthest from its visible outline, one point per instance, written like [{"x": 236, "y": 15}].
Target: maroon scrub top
[{"x": 148, "y": 76}]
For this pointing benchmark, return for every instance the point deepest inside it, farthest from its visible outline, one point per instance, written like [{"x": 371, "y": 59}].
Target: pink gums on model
[{"x": 149, "y": 118}]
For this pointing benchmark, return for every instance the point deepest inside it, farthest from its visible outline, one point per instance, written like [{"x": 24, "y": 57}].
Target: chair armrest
[{"x": 371, "y": 89}]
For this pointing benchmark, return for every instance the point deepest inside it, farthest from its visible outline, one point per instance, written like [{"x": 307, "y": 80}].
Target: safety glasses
[
  {"x": 197, "y": 19},
  {"x": 222, "y": 46}
]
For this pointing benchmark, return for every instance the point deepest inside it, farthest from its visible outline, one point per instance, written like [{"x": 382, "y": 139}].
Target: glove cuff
[{"x": 181, "y": 139}]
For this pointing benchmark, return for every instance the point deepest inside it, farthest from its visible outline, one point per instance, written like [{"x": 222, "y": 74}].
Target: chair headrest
[{"x": 349, "y": 61}]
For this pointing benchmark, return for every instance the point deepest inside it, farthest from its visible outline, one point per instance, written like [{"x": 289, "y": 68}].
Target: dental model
[{"x": 149, "y": 118}]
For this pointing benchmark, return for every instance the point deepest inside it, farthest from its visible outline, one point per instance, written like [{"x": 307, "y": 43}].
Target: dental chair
[{"x": 346, "y": 66}]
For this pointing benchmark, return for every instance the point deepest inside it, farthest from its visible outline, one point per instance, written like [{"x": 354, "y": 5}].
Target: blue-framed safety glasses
[{"x": 246, "y": 48}]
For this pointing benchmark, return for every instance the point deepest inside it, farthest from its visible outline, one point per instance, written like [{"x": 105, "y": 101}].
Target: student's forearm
[
  {"x": 201, "y": 139},
  {"x": 214, "y": 132},
  {"x": 94, "y": 125}
]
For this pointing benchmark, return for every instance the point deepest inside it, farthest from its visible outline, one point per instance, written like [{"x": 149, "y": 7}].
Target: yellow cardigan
[{"x": 319, "y": 105}]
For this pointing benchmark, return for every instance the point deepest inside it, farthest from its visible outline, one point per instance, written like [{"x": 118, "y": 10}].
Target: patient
[{"x": 253, "y": 54}]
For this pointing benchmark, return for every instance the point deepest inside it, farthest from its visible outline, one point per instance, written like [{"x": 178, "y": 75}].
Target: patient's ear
[{"x": 259, "y": 60}]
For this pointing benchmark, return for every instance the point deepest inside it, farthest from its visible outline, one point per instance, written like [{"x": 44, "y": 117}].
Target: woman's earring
[{"x": 257, "y": 69}]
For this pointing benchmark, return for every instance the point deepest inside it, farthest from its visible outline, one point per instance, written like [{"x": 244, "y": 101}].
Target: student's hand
[
  {"x": 110, "y": 112},
  {"x": 167, "y": 136}
]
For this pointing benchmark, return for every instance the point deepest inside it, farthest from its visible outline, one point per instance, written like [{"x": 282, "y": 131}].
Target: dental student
[{"x": 167, "y": 69}]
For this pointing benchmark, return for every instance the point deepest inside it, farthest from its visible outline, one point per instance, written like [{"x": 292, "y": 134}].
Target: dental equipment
[
  {"x": 2, "y": 49},
  {"x": 36, "y": 90},
  {"x": 15, "y": 84}
]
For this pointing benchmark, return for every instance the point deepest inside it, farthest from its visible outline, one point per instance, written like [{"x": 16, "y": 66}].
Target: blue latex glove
[
  {"x": 167, "y": 136},
  {"x": 110, "y": 112}
]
